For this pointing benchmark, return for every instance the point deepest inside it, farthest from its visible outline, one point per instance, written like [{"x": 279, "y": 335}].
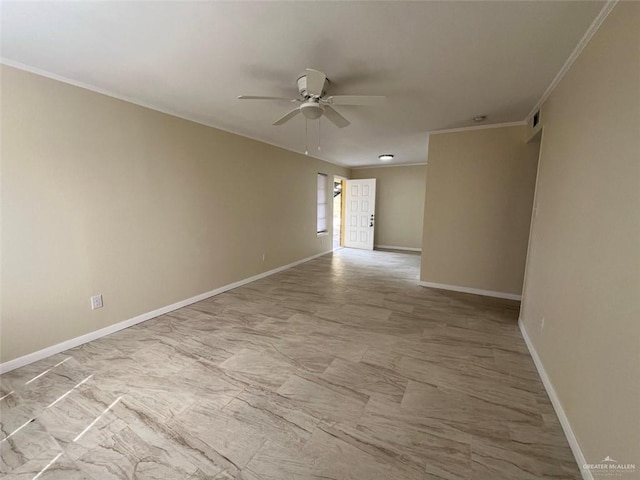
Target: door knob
[{"x": 371, "y": 221}]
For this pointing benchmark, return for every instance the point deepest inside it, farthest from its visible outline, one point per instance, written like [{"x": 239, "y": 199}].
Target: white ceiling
[{"x": 439, "y": 63}]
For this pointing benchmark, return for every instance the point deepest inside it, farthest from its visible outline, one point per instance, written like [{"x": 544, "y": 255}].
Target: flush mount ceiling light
[
  {"x": 479, "y": 118},
  {"x": 385, "y": 157}
]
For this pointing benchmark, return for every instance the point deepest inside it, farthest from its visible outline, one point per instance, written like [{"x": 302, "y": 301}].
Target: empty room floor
[{"x": 339, "y": 368}]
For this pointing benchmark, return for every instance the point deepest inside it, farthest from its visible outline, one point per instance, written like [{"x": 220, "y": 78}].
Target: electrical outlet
[
  {"x": 541, "y": 324},
  {"x": 264, "y": 257},
  {"x": 96, "y": 302}
]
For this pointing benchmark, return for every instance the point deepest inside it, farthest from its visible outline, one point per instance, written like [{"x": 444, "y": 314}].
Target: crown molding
[
  {"x": 86, "y": 86},
  {"x": 389, "y": 166},
  {"x": 478, "y": 127},
  {"x": 593, "y": 28}
]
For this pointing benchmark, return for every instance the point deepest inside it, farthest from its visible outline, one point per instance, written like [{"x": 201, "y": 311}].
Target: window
[{"x": 321, "y": 224}]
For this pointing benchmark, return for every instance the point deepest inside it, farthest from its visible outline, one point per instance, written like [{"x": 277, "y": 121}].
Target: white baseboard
[
  {"x": 476, "y": 291},
  {"x": 393, "y": 247},
  {"x": 557, "y": 406},
  {"x": 74, "y": 342}
]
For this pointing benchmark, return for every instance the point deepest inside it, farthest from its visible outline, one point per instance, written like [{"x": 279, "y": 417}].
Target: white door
[{"x": 359, "y": 215}]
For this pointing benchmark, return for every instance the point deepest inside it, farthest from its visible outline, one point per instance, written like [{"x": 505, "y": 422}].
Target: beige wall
[
  {"x": 399, "y": 204},
  {"x": 103, "y": 196},
  {"x": 478, "y": 204},
  {"x": 583, "y": 270}
]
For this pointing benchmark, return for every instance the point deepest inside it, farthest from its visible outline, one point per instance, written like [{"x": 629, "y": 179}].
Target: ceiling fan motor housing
[{"x": 302, "y": 87}]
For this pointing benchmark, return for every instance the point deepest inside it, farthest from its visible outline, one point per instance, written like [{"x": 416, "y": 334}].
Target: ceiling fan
[{"x": 314, "y": 102}]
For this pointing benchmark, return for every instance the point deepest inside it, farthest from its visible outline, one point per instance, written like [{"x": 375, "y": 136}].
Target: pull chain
[
  {"x": 306, "y": 136},
  {"x": 319, "y": 121}
]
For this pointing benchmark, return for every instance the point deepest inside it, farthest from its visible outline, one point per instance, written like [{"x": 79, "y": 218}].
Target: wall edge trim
[
  {"x": 394, "y": 247},
  {"x": 557, "y": 405},
  {"x": 475, "y": 291},
  {"x": 88, "y": 337}
]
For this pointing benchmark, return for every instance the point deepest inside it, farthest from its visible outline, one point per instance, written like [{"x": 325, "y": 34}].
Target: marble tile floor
[{"x": 340, "y": 368}]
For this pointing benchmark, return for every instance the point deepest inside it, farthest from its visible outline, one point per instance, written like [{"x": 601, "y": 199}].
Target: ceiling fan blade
[
  {"x": 287, "y": 117},
  {"x": 365, "y": 100},
  {"x": 255, "y": 97},
  {"x": 335, "y": 118},
  {"x": 315, "y": 81}
]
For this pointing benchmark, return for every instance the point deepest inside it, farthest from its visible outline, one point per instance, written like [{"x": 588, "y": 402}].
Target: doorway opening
[{"x": 337, "y": 212}]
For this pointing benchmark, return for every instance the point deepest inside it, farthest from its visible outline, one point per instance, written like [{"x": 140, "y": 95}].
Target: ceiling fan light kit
[
  {"x": 314, "y": 102},
  {"x": 312, "y": 110}
]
